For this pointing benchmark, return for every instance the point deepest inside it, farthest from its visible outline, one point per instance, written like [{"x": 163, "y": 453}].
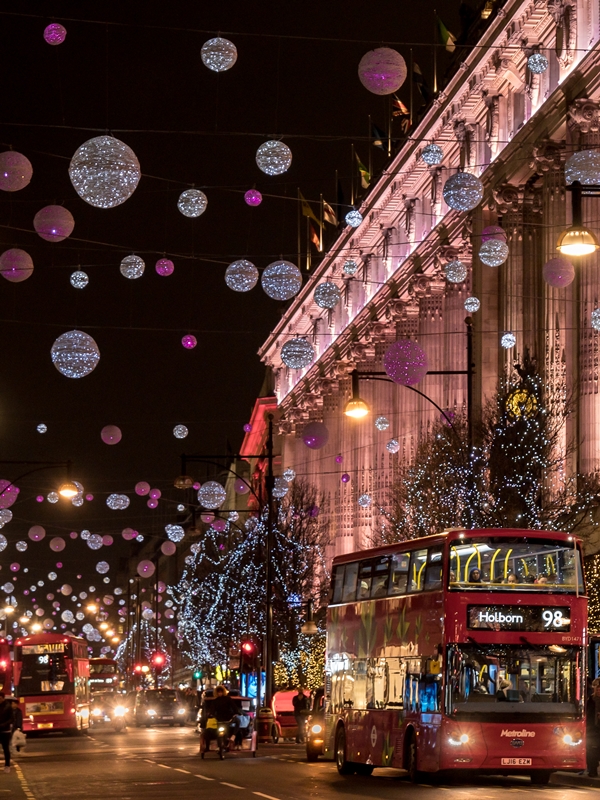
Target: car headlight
[
  {"x": 316, "y": 729},
  {"x": 181, "y": 711},
  {"x": 151, "y": 712},
  {"x": 97, "y": 712},
  {"x": 458, "y": 738},
  {"x": 119, "y": 711}
]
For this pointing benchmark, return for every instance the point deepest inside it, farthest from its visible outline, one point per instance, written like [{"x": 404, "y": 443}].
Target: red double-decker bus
[
  {"x": 5, "y": 667},
  {"x": 464, "y": 650},
  {"x": 51, "y": 674}
]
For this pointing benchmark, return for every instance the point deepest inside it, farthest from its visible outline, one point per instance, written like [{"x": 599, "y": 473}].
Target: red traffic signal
[
  {"x": 158, "y": 660},
  {"x": 138, "y": 669},
  {"x": 248, "y": 648}
]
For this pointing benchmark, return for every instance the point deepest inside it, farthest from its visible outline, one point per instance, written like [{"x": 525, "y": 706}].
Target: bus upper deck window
[
  {"x": 399, "y": 564},
  {"x": 350, "y": 575}
]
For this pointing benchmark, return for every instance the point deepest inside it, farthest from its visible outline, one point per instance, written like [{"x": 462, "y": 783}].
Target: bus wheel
[
  {"x": 541, "y": 777},
  {"x": 344, "y": 767},
  {"x": 364, "y": 769},
  {"x": 411, "y": 759}
]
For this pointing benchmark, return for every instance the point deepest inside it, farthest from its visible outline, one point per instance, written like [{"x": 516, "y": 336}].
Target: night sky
[{"x": 134, "y": 70}]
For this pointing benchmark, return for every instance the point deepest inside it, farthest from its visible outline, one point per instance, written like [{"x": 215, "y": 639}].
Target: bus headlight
[
  {"x": 119, "y": 711},
  {"x": 316, "y": 729},
  {"x": 568, "y": 739},
  {"x": 458, "y": 738},
  {"x": 97, "y": 712},
  {"x": 181, "y": 710},
  {"x": 151, "y": 712}
]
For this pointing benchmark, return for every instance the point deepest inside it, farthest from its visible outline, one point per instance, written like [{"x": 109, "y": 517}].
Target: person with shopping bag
[{"x": 18, "y": 739}]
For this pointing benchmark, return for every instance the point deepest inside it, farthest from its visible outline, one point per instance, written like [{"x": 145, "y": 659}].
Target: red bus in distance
[
  {"x": 464, "y": 650},
  {"x": 5, "y": 667},
  {"x": 51, "y": 674},
  {"x": 105, "y": 675}
]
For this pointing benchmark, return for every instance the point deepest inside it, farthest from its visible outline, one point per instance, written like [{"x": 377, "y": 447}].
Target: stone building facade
[{"x": 514, "y": 130}]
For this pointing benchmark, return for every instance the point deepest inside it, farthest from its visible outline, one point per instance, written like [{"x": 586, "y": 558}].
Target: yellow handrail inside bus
[
  {"x": 478, "y": 554},
  {"x": 506, "y": 563},
  {"x": 492, "y": 564},
  {"x": 419, "y": 575},
  {"x": 457, "y": 554},
  {"x": 525, "y": 566}
]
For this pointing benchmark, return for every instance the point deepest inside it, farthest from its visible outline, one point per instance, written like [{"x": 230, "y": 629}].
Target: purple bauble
[
  {"x": 315, "y": 435},
  {"x": 15, "y": 171},
  {"x": 145, "y": 568},
  {"x": 339, "y": 459},
  {"x": 73, "y": 534},
  {"x": 219, "y": 525},
  {"x": 57, "y": 544},
  {"x": 107, "y": 540},
  {"x": 15, "y": 567},
  {"x": 314, "y": 511},
  {"x": 55, "y": 33},
  {"x": 248, "y": 427},
  {"x": 8, "y": 494},
  {"x": 39, "y": 498},
  {"x": 240, "y": 486},
  {"x": 168, "y": 548},
  {"x": 54, "y": 223},
  {"x": 36, "y": 533},
  {"x": 128, "y": 534},
  {"x": 207, "y": 517},
  {"x": 152, "y": 503},
  {"x": 382, "y": 71},
  {"x": 165, "y": 267},
  {"x": 196, "y": 485},
  {"x": 405, "y": 362},
  {"x": 345, "y": 478},
  {"x": 189, "y": 341},
  {"x": 253, "y": 197},
  {"x": 89, "y": 497},
  {"x": 110, "y": 434},
  {"x": 493, "y": 232},
  {"x": 559, "y": 272},
  {"x": 16, "y": 265},
  {"x": 142, "y": 488},
  {"x": 155, "y": 494}
]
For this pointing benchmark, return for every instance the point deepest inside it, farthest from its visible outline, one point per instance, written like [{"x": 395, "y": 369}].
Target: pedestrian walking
[
  {"x": 18, "y": 739},
  {"x": 592, "y": 729},
  {"x": 6, "y": 723},
  {"x": 301, "y": 703}
]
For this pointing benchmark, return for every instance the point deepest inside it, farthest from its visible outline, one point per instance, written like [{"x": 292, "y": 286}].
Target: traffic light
[
  {"x": 138, "y": 669},
  {"x": 197, "y": 674},
  {"x": 248, "y": 648},
  {"x": 158, "y": 660}
]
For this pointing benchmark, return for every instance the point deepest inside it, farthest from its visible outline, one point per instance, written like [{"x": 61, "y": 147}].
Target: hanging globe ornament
[
  {"x": 393, "y": 446},
  {"x": 327, "y": 295},
  {"x": 42, "y": 428},
  {"x": 102, "y": 567},
  {"x": 493, "y": 253},
  {"x": 472, "y": 305},
  {"x": 36, "y": 533},
  {"x": 79, "y": 279},
  {"x": 145, "y": 568},
  {"x": 353, "y": 218},
  {"x": 180, "y": 431},
  {"x": 104, "y": 172},
  {"x": 189, "y": 341},
  {"x": 132, "y": 267},
  {"x": 192, "y": 203},
  {"x": 350, "y": 267},
  {"x": 253, "y": 198},
  {"x": 455, "y": 271},
  {"x": 211, "y": 495},
  {"x": 297, "y": 353},
  {"x": 54, "y": 223},
  {"x": 280, "y": 488},
  {"x": 5, "y": 516},
  {"x": 493, "y": 232},
  {"x": 558, "y": 272},
  {"x": 432, "y": 154},
  {"x": 365, "y": 500},
  {"x": 595, "y": 319},
  {"x": 281, "y": 280},
  {"x": 174, "y": 532},
  {"x": 584, "y": 167},
  {"x": 405, "y": 363},
  {"x": 55, "y": 34},
  {"x": 75, "y": 354},
  {"x": 315, "y": 435},
  {"x": 218, "y": 54},
  {"x": 289, "y": 474},
  {"x": 463, "y": 191},
  {"x": 537, "y": 63},
  {"x": 15, "y": 171},
  {"x": 164, "y": 267},
  {"x": 382, "y": 71},
  {"x": 241, "y": 275},
  {"x": 8, "y": 493},
  {"x": 117, "y": 502},
  {"x": 508, "y": 340},
  {"x": 111, "y": 434},
  {"x": 16, "y": 265},
  {"x": 274, "y": 157},
  {"x": 382, "y": 423}
]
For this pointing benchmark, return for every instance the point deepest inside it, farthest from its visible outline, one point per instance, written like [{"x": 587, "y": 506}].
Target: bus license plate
[
  {"x": 167, "y": 717},
  {"x": 515, "y": 762},
  {"x": 45, "y": 724}
]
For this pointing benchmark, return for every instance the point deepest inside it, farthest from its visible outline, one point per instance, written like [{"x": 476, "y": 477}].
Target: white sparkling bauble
[
  {"x": 297, "y": 353},
  {"x": 455, "y": 271},
  {"x": 174, "y": 532},
  {"x": 180, "y": 431},
  {"x": 289, "y": 474},
  {"x": 181, "y": 508},
  {"x": 350, "y": 267},
  {"x": 584, "y": 167},
  {"x": 493, "y": 253},
  {"x": 353, "y": 218},
  {"x": 274, "y": 158},
  {"x": 508, "y": 340},
  {"x": 3, "y": 542},
  {"x": 280, "y": 488},
  {"x": 75, "y": 354},
  {"x": 281, "y": 280},
  {"x": 77, "y": 501},
  {"x": 233, "y": 516},
  {"x": 192, "y": 203},
  {"x": 79, "y": 279},
  {"x": 5, "y": 516},
  {"x": 94, "y": 541},
  {"x": 432, "y": 154},
  {"x": 218, "y": 54},
  {"x": 85, "y": 535},
  {"x": 132, "y": 267},
  {"x": 241, "y": 275},
  {"x": 365, "y": 500},
  {"x": 21, "y": 546},
  {"x": 382, "y": 423},
  {"x": 537, "y": 63},
  {"x": 463, "y": 191},
  {"x": 67, "y": 616},
  {"x": 102, "y": 567},
  {"x": 104, "y": 171},
  {"x": 393, "y": 445},
  {"x": 52, "y": 497},
  {"x": 118, "y": 502},
  {"x": 595, "y": 319},
  {"x": 211, "y": 495},
  {"x": 472, "y": 305},
  {"x": 42, "y": 428},
  {"x": 327, "y": 295}
]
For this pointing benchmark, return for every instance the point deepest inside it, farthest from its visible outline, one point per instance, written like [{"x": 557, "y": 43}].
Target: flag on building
[
  {"x": 420, "y": 83},
  {"x": 314, "y": 236},
  {"x": 379, "y": 139},
  {"x": 448, "y": 39},
  {"x": 307, "y": 210},
  {"x": 400, "y": 110},
  {"x": 329, "y": 214},
  {"x": 365, "y": 178}
]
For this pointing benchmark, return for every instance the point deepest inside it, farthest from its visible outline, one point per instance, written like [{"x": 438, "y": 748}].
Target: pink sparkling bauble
[
  {"x": 152, "y": 503},
  {"x": 15, "y": 567},
  {"x": 59, "y": 564},
  {"x": 55, "y": 33},
  {"x": 253, "y": 197},
  {"x": 54, "y": 223},
  {"x": 315, "y": 435},
  {"x": 196, "y": 486},
  {"x": 240, "y": 486},
  {"x": 248, "y": 427},
  {"x": 8, "y": 494},
  {"x": 207, "y": 517},
  {"x": 57, "y": 544},
  {"x": 345, "y": 478},
  {"x": 89, "y": 497},
  {"x": 405, "y": 362},
  {"x": 339, "y": 459},
  {"x": 219, "y": 525},
  {"x": 107, "y": 540},
  {"x": 110, "y": 434},
  {"x": 15, "y": 171},
  {"x": 155, "y": 494},
  {"x": 16, "y": 265},
  {"x": 128, "y": 534},
  {"x": 559, "y": 272},
  {"x": 36, "y": 533},
  {"x": 161, "y": 587},
  {"x": 165, "y": 267},
  {"x": 142, "y": 488},
  {"x": 39, "y": 498},
  {"x": 145, "y": 568},
  {"x": 493, "y": 232},
  {"x": 73, "y": 534},
  {"x": 168, "y": 548},
  {"x": 382, "y": 71},
  {"x": 189, "y": 341}
]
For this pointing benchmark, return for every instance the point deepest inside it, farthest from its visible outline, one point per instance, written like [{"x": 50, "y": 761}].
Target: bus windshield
[
  {"x": 43, "y": 673},
  {"x": 514, "y": 680},
  {"x": 530, "y": 565}
]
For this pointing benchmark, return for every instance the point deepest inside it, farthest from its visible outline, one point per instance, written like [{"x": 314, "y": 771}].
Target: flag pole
[
  {"x": 370, "y": 147},
  {"x": 411, "y": 77},
  {"x": 435, "y": 89},
  {"x": 352, "y": 176},
  {"x": 299, "y": 235},
  {"x": 322, "y": 224},
  {"x": 389, "y": 126},
  {"x": 308, "y": 253},
  {"x": 337, "y": 193}
]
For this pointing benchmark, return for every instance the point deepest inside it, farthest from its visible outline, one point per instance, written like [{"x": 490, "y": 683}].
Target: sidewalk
[{"x": 573, "y": 779}]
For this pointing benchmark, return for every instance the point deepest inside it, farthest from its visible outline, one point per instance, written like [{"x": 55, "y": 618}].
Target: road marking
[
  {"x": 187, "y": 772},
  {"x": 233, "y": 786},
  {"x": 268, "y": 796},
  {"x": 24, "y": 785},
  {"x": 203, "y": 777},
  {"x": 149, "y": 760},
  {"x": 164, "y": 766}
]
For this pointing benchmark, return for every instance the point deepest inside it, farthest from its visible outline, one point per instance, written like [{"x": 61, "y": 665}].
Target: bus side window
[
  {"x": 398, "y": 573},
  {"x": 381, "y": 571},
  {"x": 350, "y": 575},
  {"x": 337, "y": 584},
  {"x": 416, "y": 576},
  {"x": 365, "y": 577},
  {"x": 433, "y": 572}
]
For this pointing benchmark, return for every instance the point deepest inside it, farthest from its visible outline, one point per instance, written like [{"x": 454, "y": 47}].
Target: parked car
[
  {"x": 315, "y": 729},
  {"x": 155, "y": 707}
]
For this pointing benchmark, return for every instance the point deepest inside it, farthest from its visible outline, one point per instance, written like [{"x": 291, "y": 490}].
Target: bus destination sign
[
  {"x": 47, "y": 647},
  {"x": 519, "y": 618}
]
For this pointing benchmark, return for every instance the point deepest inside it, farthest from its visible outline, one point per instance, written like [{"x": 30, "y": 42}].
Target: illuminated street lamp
[
  {"x": 356, "y": 407},
  {"x": 68, "y": 490},
  {"x": 577, "y": 240}
]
